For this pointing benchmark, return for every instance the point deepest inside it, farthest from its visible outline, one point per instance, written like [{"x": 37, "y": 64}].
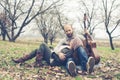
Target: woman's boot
[
  {"x": 38, "y": 60},
  {"x": 26, "y": 57}
]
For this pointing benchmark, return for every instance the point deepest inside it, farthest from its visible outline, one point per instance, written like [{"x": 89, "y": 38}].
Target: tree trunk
[
  {"x": 12, "y": 40},
  {"x": 3, "y": 33},
  {"x": 46, "y": 40},
  {"x": 51, "y": 41},
  {"x": 4, "y": 36},
  {"x": 111, "y": 42}
]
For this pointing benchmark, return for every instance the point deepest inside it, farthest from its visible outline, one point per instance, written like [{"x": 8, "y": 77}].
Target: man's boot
[{"x": 38, "y": 60}]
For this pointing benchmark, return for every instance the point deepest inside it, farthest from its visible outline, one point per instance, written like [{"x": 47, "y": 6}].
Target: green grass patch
[
  {"x": 18, "y": 49},
  {"x": 117, "y": 76},
  {"x": 106, "y": 52},
  {"x": 6, "y": 77},
  {"x": 78, "y": 78}
]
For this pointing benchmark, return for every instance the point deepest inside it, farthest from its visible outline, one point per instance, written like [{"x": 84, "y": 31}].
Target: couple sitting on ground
[{"x": 64, "y": 54}]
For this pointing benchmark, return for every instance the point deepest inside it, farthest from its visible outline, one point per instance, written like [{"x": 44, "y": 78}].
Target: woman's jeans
[{"x": 44, "y": 50}]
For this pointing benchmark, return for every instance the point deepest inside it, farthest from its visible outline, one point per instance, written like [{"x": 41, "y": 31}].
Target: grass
[
  {"x": 118, "y": 76},
  {"x": 11, "y": 71},
  {"x": 8, "y": 50},
  {"x": 78, "y": 78},
  {"x": 106, "y": 53}
]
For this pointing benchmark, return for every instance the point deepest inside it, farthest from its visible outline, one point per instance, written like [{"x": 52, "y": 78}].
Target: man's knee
[
  {"x": 80, "y": 49},
  {"x": 43, "y": 44}
]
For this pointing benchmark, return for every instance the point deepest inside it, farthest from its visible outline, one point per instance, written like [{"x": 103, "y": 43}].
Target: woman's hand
[{"x": 62, "y": 56}]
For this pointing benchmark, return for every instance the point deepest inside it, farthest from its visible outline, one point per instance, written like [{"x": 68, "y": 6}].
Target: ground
[{"x": 108, "y": 69}]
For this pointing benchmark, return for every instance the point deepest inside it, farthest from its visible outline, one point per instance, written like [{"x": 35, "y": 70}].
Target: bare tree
[
  {"x": 20, "y": 14},
  {"x": 48, "y": 25},
  {"x": 58, "y": 21},
  {"x": 91, "y": 13},
  {"x": 51, "y": 23},
  {"x": 4, "y": 24},
  {"x": 109, "y": 19}
]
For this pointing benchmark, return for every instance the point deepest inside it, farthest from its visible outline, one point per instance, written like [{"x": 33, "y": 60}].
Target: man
[
  {"x": 87, "y": 64},
  {"x": 45, "y": 53}
]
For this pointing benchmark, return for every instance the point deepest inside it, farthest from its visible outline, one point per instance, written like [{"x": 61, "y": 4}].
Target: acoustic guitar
[{"x": 90, "y": 44}]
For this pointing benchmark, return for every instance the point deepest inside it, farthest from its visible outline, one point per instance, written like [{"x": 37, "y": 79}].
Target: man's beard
[{"x": 69, "y": 35}]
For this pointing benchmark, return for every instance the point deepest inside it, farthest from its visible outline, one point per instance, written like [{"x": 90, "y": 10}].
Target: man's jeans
[
  {"x": 68, "y": 60},
  {"x": 83, "y": 58}
]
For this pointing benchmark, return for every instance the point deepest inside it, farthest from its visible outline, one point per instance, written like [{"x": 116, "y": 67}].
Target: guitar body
[{"x": 91, "y": 50}]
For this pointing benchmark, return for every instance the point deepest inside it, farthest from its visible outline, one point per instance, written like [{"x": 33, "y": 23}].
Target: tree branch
[
  {"x": 118, "y": 22},
  {"x": 115, "y": 36}
]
